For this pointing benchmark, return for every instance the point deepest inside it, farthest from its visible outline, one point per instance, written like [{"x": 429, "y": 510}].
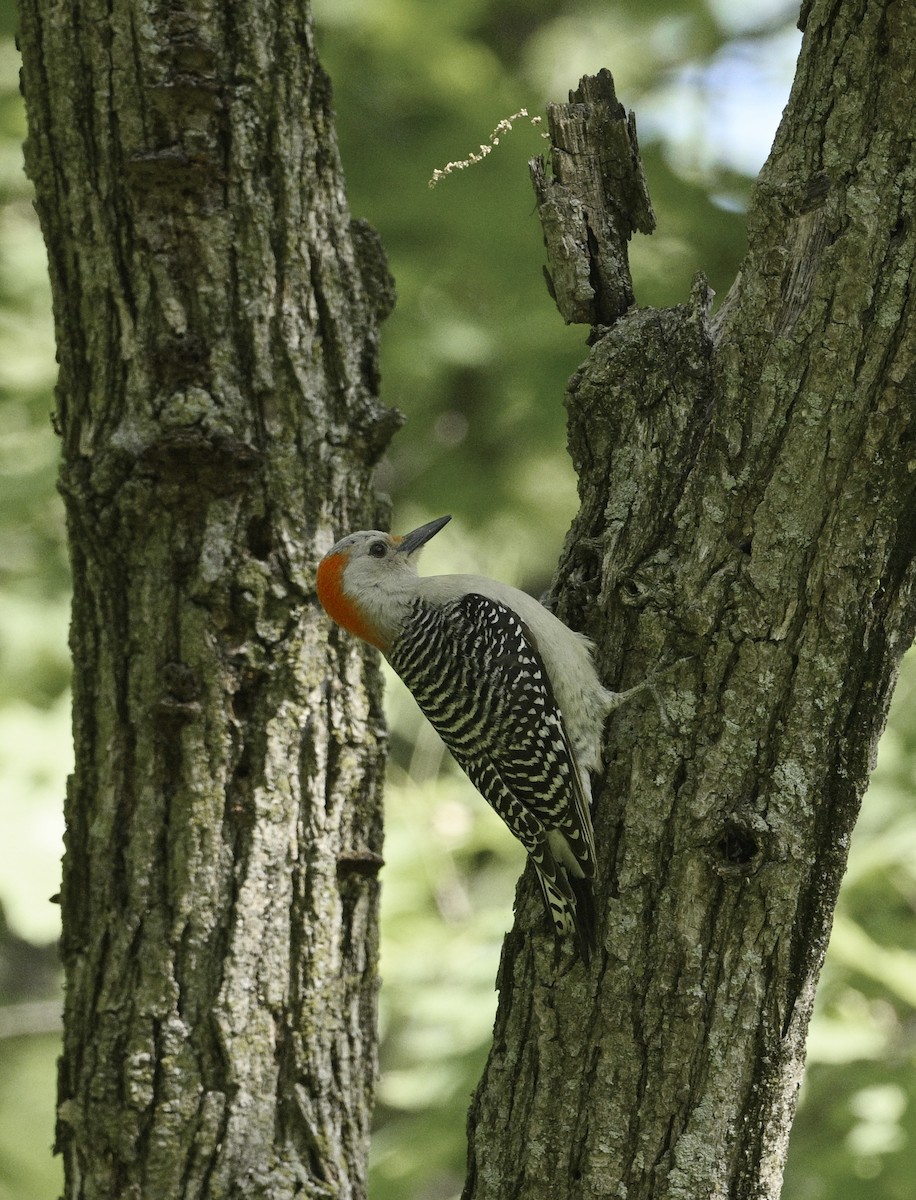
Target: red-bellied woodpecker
[{"x": 510, "y": 689}]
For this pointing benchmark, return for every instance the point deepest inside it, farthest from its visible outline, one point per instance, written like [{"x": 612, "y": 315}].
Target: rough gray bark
[
  {"x": 217, "y": 318},
  {"x": 588, "y": 216},
  {"x": 749, "y": 498}
]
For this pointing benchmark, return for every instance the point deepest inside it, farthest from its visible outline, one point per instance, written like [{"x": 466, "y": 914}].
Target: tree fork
[
  {"x": 217, "y": 316},
  {"x": 747, "y": 498}
]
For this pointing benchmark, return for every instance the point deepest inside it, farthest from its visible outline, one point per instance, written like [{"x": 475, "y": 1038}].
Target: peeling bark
[
  {"x": 217, "y": 315},
  {"x": 748, "y": 499}
]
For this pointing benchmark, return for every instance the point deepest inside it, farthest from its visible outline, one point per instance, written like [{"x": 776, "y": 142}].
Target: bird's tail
[{"x": 570, "y": 905}]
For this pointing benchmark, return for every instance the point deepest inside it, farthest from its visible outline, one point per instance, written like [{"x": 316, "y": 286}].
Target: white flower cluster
[{"x": 476, "y": 156}]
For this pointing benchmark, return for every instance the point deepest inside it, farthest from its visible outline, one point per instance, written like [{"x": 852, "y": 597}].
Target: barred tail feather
[
  {"x": 570, "y": 904},
  {"x": 584, "y": 916}
]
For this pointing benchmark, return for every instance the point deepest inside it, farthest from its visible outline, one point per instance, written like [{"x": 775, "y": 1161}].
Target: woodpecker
[{"x": 512, "y": 692}]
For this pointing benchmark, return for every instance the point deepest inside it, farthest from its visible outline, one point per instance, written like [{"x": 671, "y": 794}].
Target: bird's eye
[{"x": 378, "y": 549}]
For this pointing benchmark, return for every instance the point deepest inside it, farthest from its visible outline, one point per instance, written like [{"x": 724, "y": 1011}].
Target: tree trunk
[
  {"x": 217, "y": 318},
  {"x": 748, "y": 499}
]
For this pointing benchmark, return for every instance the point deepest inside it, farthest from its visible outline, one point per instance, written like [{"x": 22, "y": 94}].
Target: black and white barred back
[{"x": 474, "y": 669}]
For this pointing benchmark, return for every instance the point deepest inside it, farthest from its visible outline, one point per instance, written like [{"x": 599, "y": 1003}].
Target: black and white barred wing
[{"x": 475, "y": 671}]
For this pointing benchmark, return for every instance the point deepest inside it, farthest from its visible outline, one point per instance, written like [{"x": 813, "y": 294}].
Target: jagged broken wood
[{"x": 591, "y": 202}]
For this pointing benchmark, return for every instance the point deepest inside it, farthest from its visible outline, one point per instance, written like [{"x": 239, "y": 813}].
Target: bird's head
[{"x": 368, "y": 579}]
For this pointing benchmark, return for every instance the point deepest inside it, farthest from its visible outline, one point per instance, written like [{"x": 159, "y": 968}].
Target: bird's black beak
[{"x": 419, "y": 537}]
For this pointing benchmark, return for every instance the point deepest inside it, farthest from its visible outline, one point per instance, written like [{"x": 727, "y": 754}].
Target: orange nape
[{"x": 338, "y": 605}]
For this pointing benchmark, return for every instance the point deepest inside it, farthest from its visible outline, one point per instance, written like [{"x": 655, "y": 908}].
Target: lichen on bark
[
  {"x": 748, "y": 503},
  {"x": 217, "y": 321}
]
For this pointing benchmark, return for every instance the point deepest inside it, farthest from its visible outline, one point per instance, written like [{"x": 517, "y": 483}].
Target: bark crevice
[{"x": 744, "y": 508}]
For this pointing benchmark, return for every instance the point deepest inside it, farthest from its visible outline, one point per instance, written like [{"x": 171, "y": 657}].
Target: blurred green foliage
[{"x": 477, "y": 358}]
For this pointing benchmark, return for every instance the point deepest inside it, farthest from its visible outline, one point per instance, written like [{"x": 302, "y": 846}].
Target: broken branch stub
[{"x": 590, "y": 206}]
